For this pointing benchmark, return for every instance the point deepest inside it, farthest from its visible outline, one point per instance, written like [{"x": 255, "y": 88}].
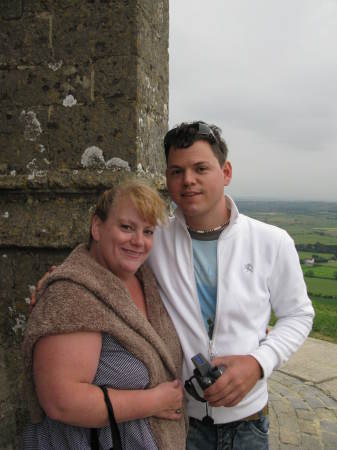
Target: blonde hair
[{"x": 146, "y": 199}]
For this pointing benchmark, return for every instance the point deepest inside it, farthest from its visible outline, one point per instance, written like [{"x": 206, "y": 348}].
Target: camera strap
[{"x": 207, "y": 419}]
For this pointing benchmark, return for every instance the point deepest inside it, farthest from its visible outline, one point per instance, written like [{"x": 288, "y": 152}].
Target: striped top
[{"x": 119, "y": 369}]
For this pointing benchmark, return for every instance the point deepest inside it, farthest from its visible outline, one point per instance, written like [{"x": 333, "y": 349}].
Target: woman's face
[{"x": 123, "y": 241}]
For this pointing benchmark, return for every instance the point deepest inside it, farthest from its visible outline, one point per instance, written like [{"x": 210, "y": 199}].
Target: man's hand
[
  {"x": 38, "y": 287},
  {"x": 240, "y": 376}
]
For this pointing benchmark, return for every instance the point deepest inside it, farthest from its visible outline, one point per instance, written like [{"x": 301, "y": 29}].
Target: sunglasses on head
[{"x": 198, "y": 129}]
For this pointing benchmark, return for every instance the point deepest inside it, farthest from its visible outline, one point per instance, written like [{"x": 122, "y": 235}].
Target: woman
[{"x": 99, "y": 321}]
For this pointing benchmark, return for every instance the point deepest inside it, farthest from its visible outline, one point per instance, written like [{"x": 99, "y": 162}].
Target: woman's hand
[{"x": 169, "y": 396}]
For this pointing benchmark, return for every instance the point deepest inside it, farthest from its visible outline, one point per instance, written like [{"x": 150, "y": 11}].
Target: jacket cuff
[{"x": 267, "y": 359}]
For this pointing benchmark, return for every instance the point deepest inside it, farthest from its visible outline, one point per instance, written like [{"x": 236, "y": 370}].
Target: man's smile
[{"x": 190, "y": 194}]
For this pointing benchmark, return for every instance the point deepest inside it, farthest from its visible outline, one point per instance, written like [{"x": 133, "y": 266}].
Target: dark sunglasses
[{"x": 201, "y": 129}]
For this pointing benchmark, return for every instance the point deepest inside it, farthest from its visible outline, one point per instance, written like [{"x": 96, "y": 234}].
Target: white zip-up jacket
[{"x": 258, "y": 269}]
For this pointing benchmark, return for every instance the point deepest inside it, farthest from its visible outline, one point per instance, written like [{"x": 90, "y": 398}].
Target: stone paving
[
  {"x": 302, "y": 416},
  {"x": 303, "y": 400}
]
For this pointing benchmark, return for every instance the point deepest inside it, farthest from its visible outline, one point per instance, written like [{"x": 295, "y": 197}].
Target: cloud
[{"x": 264, "y": 70}]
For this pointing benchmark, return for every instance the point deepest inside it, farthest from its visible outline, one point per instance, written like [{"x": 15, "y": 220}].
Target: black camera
[{"x": 204, "y": 373}]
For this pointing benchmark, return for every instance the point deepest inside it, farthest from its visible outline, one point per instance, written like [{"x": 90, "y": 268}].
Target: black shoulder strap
[{"x": 116, "y": 439}]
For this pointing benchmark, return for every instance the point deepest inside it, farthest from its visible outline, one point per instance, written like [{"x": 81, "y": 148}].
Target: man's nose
[{"x": 188, "y": 177}]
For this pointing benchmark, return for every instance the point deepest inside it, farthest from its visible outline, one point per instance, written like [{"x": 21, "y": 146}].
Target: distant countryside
[{"x": 313, "y": 226}]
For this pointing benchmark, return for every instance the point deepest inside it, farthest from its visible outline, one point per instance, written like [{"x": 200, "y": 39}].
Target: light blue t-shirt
[{"x": 205, "y": 272}]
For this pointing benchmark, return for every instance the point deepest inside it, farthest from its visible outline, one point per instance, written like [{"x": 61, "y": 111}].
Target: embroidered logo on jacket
[{"x": 249, "y": 267}]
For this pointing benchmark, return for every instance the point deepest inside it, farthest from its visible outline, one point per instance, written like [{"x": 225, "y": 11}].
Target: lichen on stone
[
  {"x": 117, "y": 162},
  {"x": 55, "y": 66},
  {"x": 92, "y": 157},
  {"x": 18, "y": 320},
  {"x": 69, "y": 101},
  {"x": 32, "y": 125}
]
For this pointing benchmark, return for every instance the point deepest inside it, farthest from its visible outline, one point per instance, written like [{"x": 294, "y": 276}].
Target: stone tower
[{"x": 84, "y": 96}]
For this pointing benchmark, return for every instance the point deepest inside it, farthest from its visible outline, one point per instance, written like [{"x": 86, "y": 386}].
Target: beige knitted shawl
[{"x": 81, "y": 295}]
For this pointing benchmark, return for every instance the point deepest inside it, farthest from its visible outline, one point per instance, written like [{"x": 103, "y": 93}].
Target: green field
[
  {"x": 326, "y": 271},
  {"x": 325, "y": 322},
  {"x": 313, "y": 226},
  {"x": 308, "y": 255},
  {"x": 304, "y": 228},
  {"x": 312, "y": 238},
  {"x": 321, "y": 287}
]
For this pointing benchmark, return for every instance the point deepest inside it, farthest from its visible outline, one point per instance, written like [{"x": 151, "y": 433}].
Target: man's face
[{"x": 195, "y": 181}]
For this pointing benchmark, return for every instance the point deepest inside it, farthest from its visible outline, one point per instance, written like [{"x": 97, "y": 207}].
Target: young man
[{"x": 219, "y": 274}]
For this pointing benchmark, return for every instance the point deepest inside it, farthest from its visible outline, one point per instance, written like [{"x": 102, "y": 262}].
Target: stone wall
[{"x": 84, "y": 97}]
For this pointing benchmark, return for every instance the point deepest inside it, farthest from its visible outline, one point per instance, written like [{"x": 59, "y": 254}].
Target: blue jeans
[{"x": 240, "y": 435}]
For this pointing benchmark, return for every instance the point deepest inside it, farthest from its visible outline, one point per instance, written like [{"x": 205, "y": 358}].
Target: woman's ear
[{"x": 95, "y": 228}]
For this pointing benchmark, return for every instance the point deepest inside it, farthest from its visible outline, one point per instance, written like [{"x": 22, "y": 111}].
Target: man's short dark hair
[{"x": 185, "y": 134}]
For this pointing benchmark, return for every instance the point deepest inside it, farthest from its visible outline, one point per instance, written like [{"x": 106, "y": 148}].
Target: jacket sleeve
[{"x": 292, "y": 308}]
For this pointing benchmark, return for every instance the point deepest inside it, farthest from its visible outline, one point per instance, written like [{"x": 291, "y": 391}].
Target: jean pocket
[
  {"x": 252, "y": 435},
  {"x": 260, "y": 426}
]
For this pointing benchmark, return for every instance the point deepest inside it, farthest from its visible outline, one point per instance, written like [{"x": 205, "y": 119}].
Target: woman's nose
[{"x": 137, "y": 238}]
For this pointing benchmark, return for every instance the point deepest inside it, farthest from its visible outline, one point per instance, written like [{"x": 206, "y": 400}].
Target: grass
[
  {"x": 325, "y": 321},
  {"x": 310, "y": 224},
  {"x": 304, "y": 228},
  {"x": 308, "y": 255},
  {"x": 321, "y": 287},
  {"x": 326, "y": 271},
  {"x": 312, "y": 238}
]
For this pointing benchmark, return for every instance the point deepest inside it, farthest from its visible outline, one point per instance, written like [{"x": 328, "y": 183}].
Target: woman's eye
[
  {"x": 126, "y": 227},
  {"x": 148, "y": 232}
]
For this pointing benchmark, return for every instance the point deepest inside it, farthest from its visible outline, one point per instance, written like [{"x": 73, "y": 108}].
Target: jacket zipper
[{"x": 211, "y": 352}]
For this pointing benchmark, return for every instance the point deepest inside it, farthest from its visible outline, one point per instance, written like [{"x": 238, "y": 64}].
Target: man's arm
[
  {"x": 292, "y": 308},
  {"x": 294, "y": 312}
]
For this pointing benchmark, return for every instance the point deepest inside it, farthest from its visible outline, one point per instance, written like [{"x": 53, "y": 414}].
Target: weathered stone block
[
  {"x": 45, "y": 85},
  {"x": 23, "y": 138},
  {"x": 115, "y": 77},
  {"x": 108, "y": 126},
  {"x": 11, "y": 9},
  {"x": 84, "y": 96},
  {"x": 25, "y": 41},
  {"x": 89, "y": 31},
  {"x": 19, "y": 270}
]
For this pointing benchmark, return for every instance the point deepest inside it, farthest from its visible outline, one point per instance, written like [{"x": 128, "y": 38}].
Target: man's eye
[
  {"x": 202, "y": 169},
  {"x": 175, "y": 171}
]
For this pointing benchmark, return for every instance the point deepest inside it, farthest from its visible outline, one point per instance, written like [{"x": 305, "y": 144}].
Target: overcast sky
[{"x": 265, "y": 71}]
